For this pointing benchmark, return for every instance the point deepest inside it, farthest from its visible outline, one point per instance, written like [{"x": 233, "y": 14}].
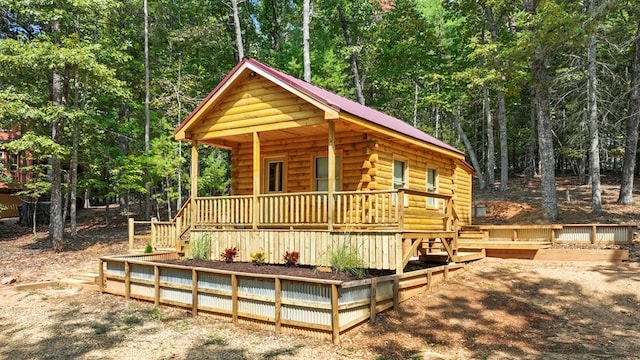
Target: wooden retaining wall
[
  {"x": 379, "y": 250},
  {"x": 601, "y": 234},
  {"x": 321, "y": 307}
]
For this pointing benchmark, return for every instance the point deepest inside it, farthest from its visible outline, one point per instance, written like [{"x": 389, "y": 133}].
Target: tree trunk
[
  {"x": 353, "y": 56},
  {"x": 545, "y": 137},
  {"x": 502, "y": 111},
  {"x": 306, "y": 20},
  {"x": 147, "y": 117},
  {"x": 469, "y": 147},
  {"x": 56, "y": 228},
  {"x": 530, "y": 169},
  {"x": 504, "y": 149},
  {"x": 74, "y": 181},
  {"x": 236, "y": 23},
  {"x": 592, "y": 120},
  {"x": 631, "y": 142},
  {"x": 491, "y": 160}
]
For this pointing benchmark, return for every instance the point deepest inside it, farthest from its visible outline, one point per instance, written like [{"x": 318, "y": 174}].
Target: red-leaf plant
[
  {"x": 291, "y": 258},
  {"x": 228, "y": 254}
]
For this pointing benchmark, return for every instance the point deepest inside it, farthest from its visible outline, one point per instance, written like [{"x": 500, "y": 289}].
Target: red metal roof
[{"x": 332, "y": 100}]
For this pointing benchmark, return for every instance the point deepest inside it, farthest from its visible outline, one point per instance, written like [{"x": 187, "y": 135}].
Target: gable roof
[{"x": 322, "y": 97}]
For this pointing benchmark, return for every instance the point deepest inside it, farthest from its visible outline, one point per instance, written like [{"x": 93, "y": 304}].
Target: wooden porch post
[
  {"x": 331, "y": 186},
  {"x": 194, "y": 180},
  {"x": 256, "y": 178}
]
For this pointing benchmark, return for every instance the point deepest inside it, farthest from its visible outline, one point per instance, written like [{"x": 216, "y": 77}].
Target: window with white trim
[
  {"x": 432, "y": 186},
  {"x": 400, "y": 177}
]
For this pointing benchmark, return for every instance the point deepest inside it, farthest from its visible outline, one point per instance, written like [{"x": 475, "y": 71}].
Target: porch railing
[{"x": 401, "y": 209}]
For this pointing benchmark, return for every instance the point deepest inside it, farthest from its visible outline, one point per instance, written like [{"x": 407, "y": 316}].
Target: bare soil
[{"x": 494, "y": 309}]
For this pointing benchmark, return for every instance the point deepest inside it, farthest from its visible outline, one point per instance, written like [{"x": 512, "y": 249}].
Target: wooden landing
[
  {"x": 516, "y": 245},
  {"x": 458, "y": 257}
]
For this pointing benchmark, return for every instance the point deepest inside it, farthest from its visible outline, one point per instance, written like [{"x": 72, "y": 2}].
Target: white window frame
[
  {"x": 405, "y": 178},
  {"x": 432, "y": 188}
]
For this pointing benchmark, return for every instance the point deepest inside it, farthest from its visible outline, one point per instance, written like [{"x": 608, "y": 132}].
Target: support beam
[
  {"x": 331, "y": 159},
  {"x": 256, "y": 178},
  {"x": 194, "y": 181}
]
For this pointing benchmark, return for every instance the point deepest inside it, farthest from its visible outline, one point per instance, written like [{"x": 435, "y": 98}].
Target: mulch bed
[{"x": 299, "y": 271}]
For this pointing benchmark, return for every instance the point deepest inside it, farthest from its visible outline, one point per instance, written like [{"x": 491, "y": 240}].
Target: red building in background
[{"x": 14, "y": 164}]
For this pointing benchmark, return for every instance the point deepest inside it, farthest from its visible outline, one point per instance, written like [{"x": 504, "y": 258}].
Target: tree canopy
[{"x": 508, "y": 81}]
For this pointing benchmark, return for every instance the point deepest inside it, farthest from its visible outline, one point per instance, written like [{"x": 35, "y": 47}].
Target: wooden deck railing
[
  {"x": 401, "y": 209},
  {"x": 294, "y": 209}
]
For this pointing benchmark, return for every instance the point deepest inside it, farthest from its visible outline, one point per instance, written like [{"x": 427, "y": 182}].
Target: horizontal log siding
[
  {"x": 299, "y": 154},
  {"x": 463, "y": 194},
  {"x": 256, "y": 102},
  {"x": 452, "y": 179},
  {"x": 376, "y": 249}
]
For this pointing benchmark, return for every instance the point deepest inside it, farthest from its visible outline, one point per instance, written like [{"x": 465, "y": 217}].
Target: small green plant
[
  {"x": 291, "y": 258},
  {"x": 148, "y": 249},
  {"x": 346, "y": 259},
  {"x": 258, "y": 258},
  {"x": 199, "y": 248},
  {"x": 229, "y": 254}
]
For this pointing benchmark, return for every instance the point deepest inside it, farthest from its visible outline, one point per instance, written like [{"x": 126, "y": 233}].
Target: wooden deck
[{"x": 544, "y": 242}]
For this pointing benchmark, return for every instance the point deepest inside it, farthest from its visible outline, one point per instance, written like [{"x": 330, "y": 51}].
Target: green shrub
[
  {"x": 200, "y": 247},
  {"x": 148, "y": 249},
  {"x": 346, "y": 259},
  {"x": 258, "y": 258}
]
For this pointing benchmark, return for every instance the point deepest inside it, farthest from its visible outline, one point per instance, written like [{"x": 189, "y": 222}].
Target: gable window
[
  {"x": 274, "y": 175},
  {"x": 432, "y": 177},
  {"x": 322, "y": 173}
]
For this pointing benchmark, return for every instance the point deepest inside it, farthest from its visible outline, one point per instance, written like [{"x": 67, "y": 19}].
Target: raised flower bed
[{"x": 320, "y": 306}]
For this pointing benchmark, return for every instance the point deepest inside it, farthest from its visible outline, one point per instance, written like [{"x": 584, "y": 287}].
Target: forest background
[{"x": 527, "y": 88}]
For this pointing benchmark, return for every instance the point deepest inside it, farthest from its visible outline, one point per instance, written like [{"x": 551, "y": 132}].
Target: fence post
[
  {"x": 178, "y": 233},
  {"x": 131, "y": 233}
]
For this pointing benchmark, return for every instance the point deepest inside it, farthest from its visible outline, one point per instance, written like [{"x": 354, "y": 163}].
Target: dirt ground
[{"x": 493, "y": 309}]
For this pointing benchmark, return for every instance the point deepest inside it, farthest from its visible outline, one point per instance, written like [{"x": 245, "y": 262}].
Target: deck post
[
  {"x": 335, "y": 315},
  {"x": 127, "y": 280},
  {"x": 194, "y": 180},
  {"x": 132, "y": 230},
  {"x": 101, "y": 275},
  {"x": 256, "y": 178},
  {"x": 372, "y": 297},
  {"x": 331, "y": 163}
]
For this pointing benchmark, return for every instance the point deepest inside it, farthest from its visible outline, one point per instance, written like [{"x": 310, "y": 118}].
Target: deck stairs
[{"x": 434, "y": 250}]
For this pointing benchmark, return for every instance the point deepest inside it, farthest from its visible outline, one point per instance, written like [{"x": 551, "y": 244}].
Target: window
[
  {"x": 432, "y": 176},
  {"x": 399, "y": 174},
  {"x": 322, "y": 173},
  {"x": 400, "y": 178},
  {"x": 274, "y": 173}
]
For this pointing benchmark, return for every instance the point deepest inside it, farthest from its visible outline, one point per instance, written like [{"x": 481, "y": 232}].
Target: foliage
[
  {"x": 229, "y": 254},
  {"x": 346, "y": 259},
  {"x": 200, "y": 248},
  {"x": 291, "y": 258},
  {"x": 148, "y": 249},
  {"x": 258, "y": 258}
]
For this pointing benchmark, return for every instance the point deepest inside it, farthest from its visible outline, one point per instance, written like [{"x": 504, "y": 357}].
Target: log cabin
[{"x": 313, "y": 171}]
